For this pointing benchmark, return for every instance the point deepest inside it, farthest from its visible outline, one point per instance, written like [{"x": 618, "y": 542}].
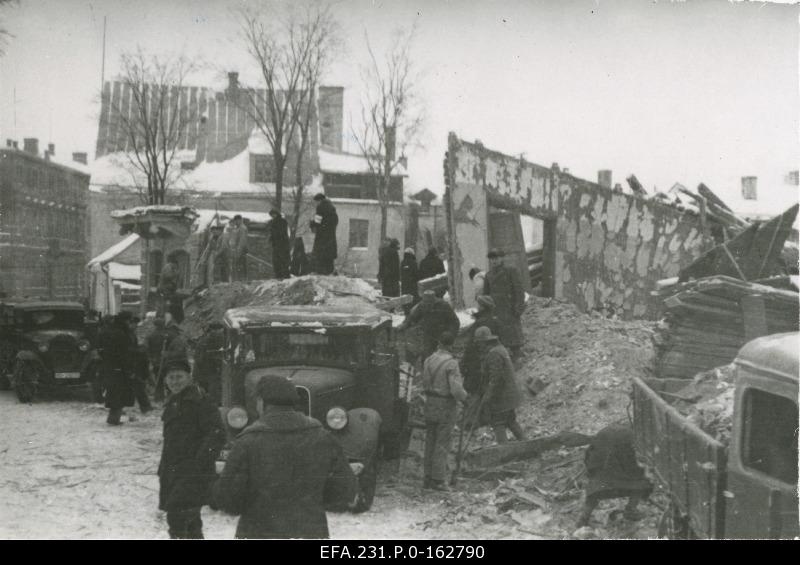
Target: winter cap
[
  {"x": 486, "y": 301},
  {"x": 484, "y": 334},
  {"x": 495, "y": 253},
  {"x": 177, "y": 363},
  {"x": 319, "y": 196},
  {"x": 277, "y": 391}
]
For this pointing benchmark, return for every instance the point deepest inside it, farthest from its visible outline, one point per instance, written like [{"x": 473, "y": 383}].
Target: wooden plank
[{"x": 495, "y": 455}]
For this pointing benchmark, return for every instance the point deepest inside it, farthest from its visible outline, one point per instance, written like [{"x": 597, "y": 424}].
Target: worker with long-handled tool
[{"x": 443, "y": 390}]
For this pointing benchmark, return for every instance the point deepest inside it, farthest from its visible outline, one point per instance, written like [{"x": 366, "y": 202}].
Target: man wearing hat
[
  {"x": 501, "y": 393},
  {"x": 193, "y": 437},
  {"x": 503, "y": 284},
  {"x": 283, "y": 470},
  {"x": 389, "y": 268},
  {"x": 471, "y": 361},
  {"x": 442, "y": 384},
  {"x": 435, "y": 316},
  {"x": 324, "y": 227},
  {"x": 279, "y": 239}
]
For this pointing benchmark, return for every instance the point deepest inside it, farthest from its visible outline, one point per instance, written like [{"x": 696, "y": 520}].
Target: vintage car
[
  {"x": 47, "y": 344},
  {"x": 341, "y": 361}
]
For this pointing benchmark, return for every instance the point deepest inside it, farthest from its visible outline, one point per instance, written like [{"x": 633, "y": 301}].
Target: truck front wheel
[{"x": 25, "y": 379}]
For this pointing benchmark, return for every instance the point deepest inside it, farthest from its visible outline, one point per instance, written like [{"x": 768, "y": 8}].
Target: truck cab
[
  {"x": 761, "y": 494},
  {"x": 343, "y": 367}
]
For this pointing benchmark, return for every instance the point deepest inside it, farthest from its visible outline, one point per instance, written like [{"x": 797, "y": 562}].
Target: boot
[{"x": 114, "y": 417}]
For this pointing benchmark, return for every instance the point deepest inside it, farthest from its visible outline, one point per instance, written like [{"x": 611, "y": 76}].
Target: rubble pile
[
  {"x": 578, "y": 367},
  {"x": 707, "y": 401},
  {"x": 210, "y": 304}
]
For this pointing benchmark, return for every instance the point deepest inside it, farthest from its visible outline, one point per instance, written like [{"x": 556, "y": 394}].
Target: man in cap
[
  {"x": 193, "y": 437},
  {"x": 283, "y": 470},
  {"x": 435, "y": 316},
  {"x": 442, "y": 385},
  {"x": 504, "y": 285},
  {"x": 324, "y": 225},
  {"x": 279, "y": 239},
  {"x": 502, "y": 394},
  {"x": 389, "y": 268}
]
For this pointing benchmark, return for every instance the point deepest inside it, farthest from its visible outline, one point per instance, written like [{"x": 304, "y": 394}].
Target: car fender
[
  {"x": 359, "y": 438},
  {"x": 26, "y": 356}
]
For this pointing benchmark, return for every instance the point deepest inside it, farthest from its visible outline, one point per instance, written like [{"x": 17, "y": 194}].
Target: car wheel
[
  {"x": 25, "y": 378},
  {"x": 367, "y": 481}
]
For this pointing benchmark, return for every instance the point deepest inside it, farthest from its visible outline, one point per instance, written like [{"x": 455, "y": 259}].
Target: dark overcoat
[
  {"x": 503, "y": 284},
  {"x": 502, "y": 391},
  {"x": 193, "y": 437},
  {"x": 389, "y": 271},
  {"x": 281, "y": 473},
  {"x": 409, "y": 276},
  {"x": 279, "y": 239},
  {"x": 430, "y": 266},
  {"x": 471, "y": 360},
  {"x": 611, "y": 465},
  {"x": 117, "y": 362},
  {"x": 325, "y": 231}
]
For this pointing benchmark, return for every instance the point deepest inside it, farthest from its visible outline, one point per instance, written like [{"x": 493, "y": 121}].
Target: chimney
[
  {"x": 604, "y": 178},
  {"x": 330, "y": 105},
  {"x": 233, "y": 81},
  {"x": 31, "y": 145},
  {"x": 79, "y": 158},
  {"x": 51, "y": 148},
  {"x": 749, "y": 186}
]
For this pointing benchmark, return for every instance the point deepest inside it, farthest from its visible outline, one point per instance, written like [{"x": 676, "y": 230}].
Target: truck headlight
[
  {"x": 336, "y": 418},
  {"x": 237, "y": 417},
  {"x": 43, "y": 347},
  {"x": 84, "y": 345}
]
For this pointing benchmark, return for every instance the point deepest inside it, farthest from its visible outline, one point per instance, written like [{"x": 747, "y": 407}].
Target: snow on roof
[
  {"x": 161, "y": 209},
  {"x": 348, "y": 163},
  {"x": 114, "y": 250},
  {"x": 121, "y": 271}
]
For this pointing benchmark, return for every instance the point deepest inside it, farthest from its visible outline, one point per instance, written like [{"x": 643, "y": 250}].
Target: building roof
[
  {"x": 114, "y": 250},
  {"x": 349, "y": 163},
  {"x": 305, "y": 316}
]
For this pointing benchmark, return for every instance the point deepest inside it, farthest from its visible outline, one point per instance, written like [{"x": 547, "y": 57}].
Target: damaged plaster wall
[{"x": 611, "y": 247}]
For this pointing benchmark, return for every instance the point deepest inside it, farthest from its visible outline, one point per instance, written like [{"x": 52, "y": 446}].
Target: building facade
[{"x": 43, "y": 223}]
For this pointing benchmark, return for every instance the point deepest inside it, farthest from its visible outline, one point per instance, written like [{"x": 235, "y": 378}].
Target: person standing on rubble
[
  {"x": 430, "y": 266},
  {"x": 237, "y": 248},
  {"x": 503, "y": 284},
  {"x": 409, "y": 278},
  {"x": 471, "y": 361},
  {"x": 324, "y": 225},
  {"x": 435, "y": 316},
  {"x": 501, "y": 395},
  {"x": 613, "y": 472},
  {"x": 283, "y": 470},
  {"x": 279, "y": 239},
  {"x": 389, "y": 268},
  {"x": 193, "y": 438},
  {"x": 443, "y": 391}
]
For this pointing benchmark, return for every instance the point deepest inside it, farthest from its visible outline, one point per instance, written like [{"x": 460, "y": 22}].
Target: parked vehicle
[
  {"x": 342, "y": 362},
  {"x": 47, "y": 344},
  {"x": 747, "y": 489}
]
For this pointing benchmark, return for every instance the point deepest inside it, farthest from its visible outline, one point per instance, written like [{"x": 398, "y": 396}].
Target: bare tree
[
  {"x": 391, "y": 114},
  {"x": 5, "y": 35},
  {"x": 288, "y": 53},
  {"x": 150, "y": 120}
]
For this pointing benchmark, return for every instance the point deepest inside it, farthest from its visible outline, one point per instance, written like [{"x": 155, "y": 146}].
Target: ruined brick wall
[{"x": 611, "y": 247}]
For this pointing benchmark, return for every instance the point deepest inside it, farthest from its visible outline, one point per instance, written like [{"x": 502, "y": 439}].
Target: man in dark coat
[
  {"x": 140, "y": 369},
  {"x": 114, "y": 346},
  {"x": 435, "y": 316},
  {"x": 193, "y": 437},
  {"x": 409, "y": 277},
  {"x": 502, "y": 395},
  {"x": 324, "y": 227},
  {"x": 471, "y": 361},
  {"x": 504, "y": 285},
  {"x": 389, "y": 269},
  {"x": 283, "y": 470},
  {"x": 279, "y": 238},
  {"x": 208, "y": 361},
  {"x": 431, "y": 265},
  {"x": 613, "y": 472}
]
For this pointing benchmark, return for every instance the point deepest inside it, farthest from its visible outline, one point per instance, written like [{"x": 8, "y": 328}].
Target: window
[
  {"x": 359, "y": 232},
  {"x": 261, "y": 168},
  {"x": 769, "y": 443}
]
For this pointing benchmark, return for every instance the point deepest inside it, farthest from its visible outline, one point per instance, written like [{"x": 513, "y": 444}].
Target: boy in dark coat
[
  {"x": 324, "y": 227},
  {"x": 193, "y": 437},
  {"x": 613, "y": 472},
  {"x": 389, "y": 269},
  {"x": 283, "y": 470}
]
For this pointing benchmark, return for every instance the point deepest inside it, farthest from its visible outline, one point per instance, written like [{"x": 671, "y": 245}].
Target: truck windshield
[
  {"x": 52, "y": 319},
  {"x": 307, "y": 346}
]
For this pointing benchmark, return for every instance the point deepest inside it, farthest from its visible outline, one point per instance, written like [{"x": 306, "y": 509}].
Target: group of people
[{"x": 398, "y": 277}]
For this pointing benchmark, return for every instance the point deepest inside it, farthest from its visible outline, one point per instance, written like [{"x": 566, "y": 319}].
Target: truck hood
[
  {"x": 315, "y": 379},
  {"x": 47, "y": 336}
]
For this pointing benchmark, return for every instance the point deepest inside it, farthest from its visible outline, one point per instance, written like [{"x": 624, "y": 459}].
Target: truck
[
  {"x": 744, "y": 490},
  {"x": 344, "y": 367}
]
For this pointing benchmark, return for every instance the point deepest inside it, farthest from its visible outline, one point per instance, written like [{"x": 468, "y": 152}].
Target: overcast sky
[{"x": 689, "y": 92}]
